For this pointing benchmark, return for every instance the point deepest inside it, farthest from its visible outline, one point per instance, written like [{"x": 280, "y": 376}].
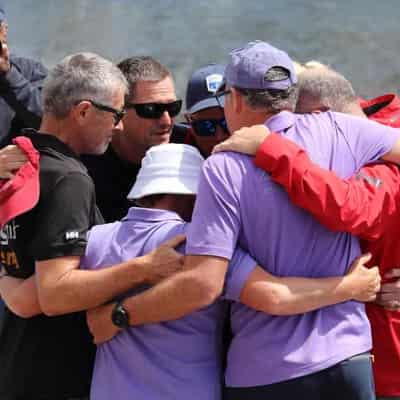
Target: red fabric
[
  {"x": 367, "y": 205},
  {"x": 21, "y": 193},
  {"x": 388, "y": 114}
]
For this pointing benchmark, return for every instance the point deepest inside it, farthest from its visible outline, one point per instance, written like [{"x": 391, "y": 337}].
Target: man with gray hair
[
  {"x": 51, "y": 358},
  {"x": 321, "y": 88}
]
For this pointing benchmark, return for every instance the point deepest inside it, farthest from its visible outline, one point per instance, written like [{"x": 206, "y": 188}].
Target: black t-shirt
[
  {"x": 113, "y": 179},
  {"x": 48, "y": 357}
]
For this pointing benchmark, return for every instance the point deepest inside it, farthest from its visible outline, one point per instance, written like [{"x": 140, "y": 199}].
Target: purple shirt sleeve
[
  {"x": 369, "y": 140},
  {"x": 216, "y": 220},
  {"x": 240, "y": 267}
]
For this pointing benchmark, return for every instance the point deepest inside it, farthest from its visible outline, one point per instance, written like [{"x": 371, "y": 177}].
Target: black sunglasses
[
  {"x": 221, "y": 93},
  {"x": 117, "y": 114},
  {"x": 156, "y": 110},
  {"x": 208, "y": 127}
]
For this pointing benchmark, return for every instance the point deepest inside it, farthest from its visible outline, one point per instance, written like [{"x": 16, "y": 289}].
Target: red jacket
[
  {"x": 367, "y": 205},
  {"x": 383, "y": 109}
]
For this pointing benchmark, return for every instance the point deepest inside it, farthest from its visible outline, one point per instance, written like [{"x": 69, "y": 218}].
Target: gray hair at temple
[
  {"x": 81, "y": 76},
  {"x": 272, "y": 100},
  {"x": 321, "y": 88},
  {"x": 142, "y": 68}
]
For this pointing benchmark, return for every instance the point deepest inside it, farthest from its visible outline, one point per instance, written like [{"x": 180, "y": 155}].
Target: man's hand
[
  {"x": 389, "y": 295},
  {"x": 245, "y": 140},
  {"x": 364, "y": 282},
  {"x": 11, "y": 159},
  {"x": 100, "y": 324},
  {"x": 4, "y": 59},
  {"x": 164, "y": 260}
]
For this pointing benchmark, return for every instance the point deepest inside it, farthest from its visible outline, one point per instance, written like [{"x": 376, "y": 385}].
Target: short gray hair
[
  {"x": 81, "y": 76},
  {"x": 272, "y": 100},
  {"x": 142, "y": 68},
  {"x": 324, "y": 86}
]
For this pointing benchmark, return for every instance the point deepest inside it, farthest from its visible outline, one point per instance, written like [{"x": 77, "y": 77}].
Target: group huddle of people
[{"x": 249, "y": 251}]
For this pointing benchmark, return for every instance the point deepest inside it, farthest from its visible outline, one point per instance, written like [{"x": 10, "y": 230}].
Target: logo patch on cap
[{"x": 213, "y": 82}]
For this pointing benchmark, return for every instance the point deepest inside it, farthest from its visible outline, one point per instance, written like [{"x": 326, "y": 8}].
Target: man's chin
[{"x": 161, "y": 139}]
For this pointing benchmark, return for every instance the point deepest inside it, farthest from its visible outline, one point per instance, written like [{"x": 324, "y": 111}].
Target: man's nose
[{"x": 165, "y": 118}]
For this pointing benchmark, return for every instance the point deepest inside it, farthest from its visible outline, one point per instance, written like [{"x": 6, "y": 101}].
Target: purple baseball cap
[
  {"x": 249, "y": 65},
  {"x": 204, "y": 82}
]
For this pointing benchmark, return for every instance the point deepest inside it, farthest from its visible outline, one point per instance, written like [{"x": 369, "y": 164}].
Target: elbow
[
  {"x": 202, "y": 291},
  {"x": 275, "y": 306},
  {"x": 50, "y": 304},
  {"x": 23, "y": 308},
  {"x": 274, "y": 303}
]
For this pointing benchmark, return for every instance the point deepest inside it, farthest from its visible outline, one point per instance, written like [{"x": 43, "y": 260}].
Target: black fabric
[
  {"x": 20, "y": 97},
  {"x": 49, "y": 357},
  {"x": 351, "y": 379},
  {"x": 113, "y": 179},
  {"x": 374, "y": 108}
]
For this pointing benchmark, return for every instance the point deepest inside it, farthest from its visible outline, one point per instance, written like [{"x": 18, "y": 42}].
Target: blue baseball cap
[
  {"x": 249, "y": 64},
  {"x": 204, "y": 82}
]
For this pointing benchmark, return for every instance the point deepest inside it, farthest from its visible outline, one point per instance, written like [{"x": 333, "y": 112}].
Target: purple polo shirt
[
  {"x": 239, "y": 204},
  {"x": 178, "y": 359}
]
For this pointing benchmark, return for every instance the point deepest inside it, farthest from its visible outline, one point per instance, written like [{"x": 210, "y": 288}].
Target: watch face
[{"x": 120, "y": 316}]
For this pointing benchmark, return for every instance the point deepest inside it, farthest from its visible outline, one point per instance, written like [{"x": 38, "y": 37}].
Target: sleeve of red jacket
[{"x": 361, "y": 205}]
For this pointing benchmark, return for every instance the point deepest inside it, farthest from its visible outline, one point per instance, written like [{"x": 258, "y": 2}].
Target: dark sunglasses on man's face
[
  {"x": 208, "y": 127},
  {"x": 117, "y": 114},
  {"x": 156, "y": 110}
]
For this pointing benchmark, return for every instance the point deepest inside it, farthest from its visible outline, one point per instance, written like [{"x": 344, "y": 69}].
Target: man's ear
[
  {"x": 80, "y": 112},
  {"x": 237, "y": 100}
]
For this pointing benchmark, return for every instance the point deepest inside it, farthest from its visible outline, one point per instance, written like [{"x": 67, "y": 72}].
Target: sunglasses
[
  {"x": 208, "y": 127},
  {"x": 220, "y": 95},
  {"x": 156, "y": 110},
  {"x": 117, "y": 114}
]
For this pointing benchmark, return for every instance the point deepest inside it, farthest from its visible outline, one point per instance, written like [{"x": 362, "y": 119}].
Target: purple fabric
[
  {"x": 248, "y": 66},
  {"x": 239, "y": 204},
  {"x": 172, "y": 360}
]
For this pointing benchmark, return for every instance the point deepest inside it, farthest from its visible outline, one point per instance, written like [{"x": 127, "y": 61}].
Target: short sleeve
[
  {"x": 368, "y": 139},
  {"x": 240, "y": 267},
  {"x": 216, "y": 219},
  {"x": 64, "y": 218}
]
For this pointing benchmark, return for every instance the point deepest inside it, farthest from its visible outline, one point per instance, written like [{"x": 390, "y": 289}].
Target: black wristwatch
[{"x": 120, "y": 316}]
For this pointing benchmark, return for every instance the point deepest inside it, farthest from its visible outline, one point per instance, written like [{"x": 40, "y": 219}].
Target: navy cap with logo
[{"x": 204, "y": 82}]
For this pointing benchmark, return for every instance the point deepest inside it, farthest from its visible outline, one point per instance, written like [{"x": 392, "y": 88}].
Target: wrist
[
  {"x": 347, "y": 288},
  {"x": 144, "y": 267},
  {"x": 120, "y": 316}
]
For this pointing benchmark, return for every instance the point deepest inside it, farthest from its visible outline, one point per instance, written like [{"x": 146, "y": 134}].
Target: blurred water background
[{"x": 359, "y": 38}]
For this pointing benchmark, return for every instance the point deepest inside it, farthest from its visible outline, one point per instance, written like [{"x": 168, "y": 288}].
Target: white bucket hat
[{"x": 168, "y": 169}]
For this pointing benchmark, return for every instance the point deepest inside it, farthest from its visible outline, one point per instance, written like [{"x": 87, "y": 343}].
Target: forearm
[
  {"x": 292, "y": 295},
  {"x": 181, "y": 294},
  {"x": 169, "y": 300},
  {"x": 20, "y": 296},
  {"x": 78, "y": 290}
]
